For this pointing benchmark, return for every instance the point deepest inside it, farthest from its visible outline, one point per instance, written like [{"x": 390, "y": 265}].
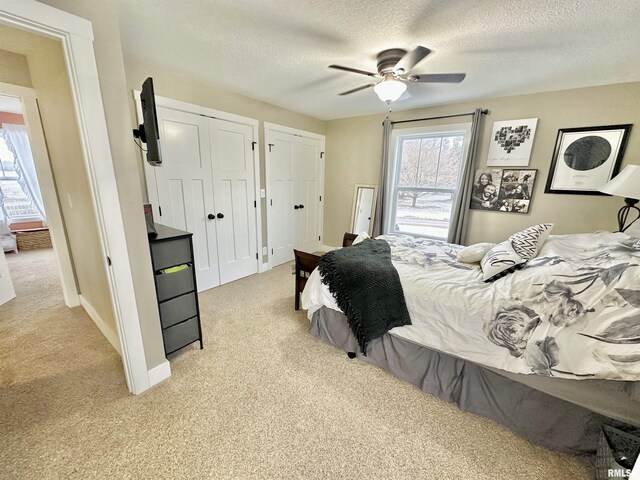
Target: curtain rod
[{"x": 484, "y": 112}]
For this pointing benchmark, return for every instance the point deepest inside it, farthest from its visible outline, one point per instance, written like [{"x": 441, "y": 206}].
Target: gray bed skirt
[{"x": 532, "y": 414}]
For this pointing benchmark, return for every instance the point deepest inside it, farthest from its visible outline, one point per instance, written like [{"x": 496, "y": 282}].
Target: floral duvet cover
[{"x": 572, "y": 312}]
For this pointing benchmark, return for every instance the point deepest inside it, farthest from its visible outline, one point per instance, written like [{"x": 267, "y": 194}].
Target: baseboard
[
  {"x": 159, "y": 373},
  {"x": 264, "y": 267},
  {"x": 107, "y": 331}
]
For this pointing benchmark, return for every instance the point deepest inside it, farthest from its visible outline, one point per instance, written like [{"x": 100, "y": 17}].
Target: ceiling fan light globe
[{"x": 390, "y": 90}]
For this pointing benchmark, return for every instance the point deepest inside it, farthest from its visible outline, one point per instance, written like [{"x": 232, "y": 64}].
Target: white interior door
[
  {"x": 184, "y": 187},
  {"x": 282, "y": 192},
  {"x": 234, "y": 198},
  {"x": 6, "y": 285},
  {"x": 308, "y": 188}
]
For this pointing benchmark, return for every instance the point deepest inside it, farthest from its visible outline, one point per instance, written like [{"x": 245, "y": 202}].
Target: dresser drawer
[
  {"x": 181, "y": 335},
  {"x": 178, "y": 309},
  {"x": 169, "y": 285},
  {"x": 171, "y": 253}
]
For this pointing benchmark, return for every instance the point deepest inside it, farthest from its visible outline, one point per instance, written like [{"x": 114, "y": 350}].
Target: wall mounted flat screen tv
[{"x": 148, "y": 132}]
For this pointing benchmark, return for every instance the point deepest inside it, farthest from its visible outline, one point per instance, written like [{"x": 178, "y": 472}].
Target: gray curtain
[
  {"x": 460, "y": 211},
  {"x": 380, "y": 218}
]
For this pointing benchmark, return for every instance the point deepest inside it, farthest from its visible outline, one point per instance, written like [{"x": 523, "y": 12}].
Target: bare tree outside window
[{"x": 429, "y": 168}]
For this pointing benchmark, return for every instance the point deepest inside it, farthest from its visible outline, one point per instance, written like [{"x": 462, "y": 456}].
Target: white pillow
[
  {"x": 500, "y": 261},
  {"x": 634, "y": 229},
  {"x": 527, "y": 243},
  {"x": 474, "y": 253},
  {"x": 361, "y": 237}
]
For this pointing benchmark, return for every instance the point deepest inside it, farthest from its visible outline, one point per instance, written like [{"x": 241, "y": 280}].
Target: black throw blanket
[{"x": 367, "y": 289}]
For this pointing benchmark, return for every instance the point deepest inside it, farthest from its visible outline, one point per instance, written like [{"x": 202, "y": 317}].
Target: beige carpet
[{"x": 264, "y": 399}]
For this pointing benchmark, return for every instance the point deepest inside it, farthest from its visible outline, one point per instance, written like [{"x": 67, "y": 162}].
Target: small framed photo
[{"x": 584, "y": 159}]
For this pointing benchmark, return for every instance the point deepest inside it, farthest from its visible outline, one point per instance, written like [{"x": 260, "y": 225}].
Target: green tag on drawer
[{"x": 178, "y": 268}]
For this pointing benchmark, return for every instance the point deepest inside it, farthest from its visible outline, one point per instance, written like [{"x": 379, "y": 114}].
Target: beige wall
[
  {"x": 108, "y": 51},
  {"x": 14, "y": 69},
  {"x": 46, "y": 73},
  {"x": 354, "y": 150},
  {"x": 178, "y": 87}
]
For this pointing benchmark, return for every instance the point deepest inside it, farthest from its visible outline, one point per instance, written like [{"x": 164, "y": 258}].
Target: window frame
[
  {"x": 397, "y": 137},
  {"x": 19, "y": 218}
]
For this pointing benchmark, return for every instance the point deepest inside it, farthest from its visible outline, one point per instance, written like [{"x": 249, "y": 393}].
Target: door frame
[
  {"x": 150, "y": 172},
  {"x": 269, "y": 128},
  {"x": 76, "y": 37},
  {"x": 55, "y": 222}
]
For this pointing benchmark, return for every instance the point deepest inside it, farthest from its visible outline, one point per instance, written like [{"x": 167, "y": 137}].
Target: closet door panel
[
  {"x": 234, "y": 194},
  {"x": 308, "y": 186},
  {"x": 283, "y": 193}
]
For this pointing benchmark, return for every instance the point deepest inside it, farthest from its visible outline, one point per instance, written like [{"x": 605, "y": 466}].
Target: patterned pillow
[
  {"x": 474, "y": 253},
  {"x": 500, "y": 261},
  {"x": 527, "y": 243}
]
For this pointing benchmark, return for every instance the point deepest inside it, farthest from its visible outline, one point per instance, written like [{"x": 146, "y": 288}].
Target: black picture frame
[{"x": 613, "y": 161}]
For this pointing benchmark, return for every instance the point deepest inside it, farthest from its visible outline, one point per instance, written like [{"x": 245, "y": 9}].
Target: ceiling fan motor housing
[{"x": 387, "y": 59}]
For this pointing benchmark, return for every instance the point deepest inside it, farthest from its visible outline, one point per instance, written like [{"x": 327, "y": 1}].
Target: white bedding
[{"x": 573, "y": 311}]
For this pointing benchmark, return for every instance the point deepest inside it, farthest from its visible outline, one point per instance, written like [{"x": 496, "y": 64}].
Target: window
[
  {"x": 426, "y": 181},
  {"x": 15, "y": 198}
]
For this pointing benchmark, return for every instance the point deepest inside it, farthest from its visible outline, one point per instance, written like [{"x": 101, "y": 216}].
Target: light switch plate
[
  {"x": 263, "y": 193},
  {"x": 264, "y": 250}
]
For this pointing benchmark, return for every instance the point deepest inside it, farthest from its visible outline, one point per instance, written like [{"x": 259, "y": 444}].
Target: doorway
[{"x": 26, "y": 186}]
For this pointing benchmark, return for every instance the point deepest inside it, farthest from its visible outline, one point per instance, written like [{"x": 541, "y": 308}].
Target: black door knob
[
  {"x": 301, "y": 206},
  {"x": 296, "y": 207},
  {"x": 220, "y": 215},
  {"x": 211, "y": 216}
]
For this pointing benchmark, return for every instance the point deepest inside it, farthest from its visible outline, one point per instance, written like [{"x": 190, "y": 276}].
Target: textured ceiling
[{"x": 278, "y": 50}]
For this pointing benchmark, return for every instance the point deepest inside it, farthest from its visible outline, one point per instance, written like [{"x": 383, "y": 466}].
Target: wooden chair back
[
  {"x": 305, "y": 263},
  {"x": 348, "y": 239}
]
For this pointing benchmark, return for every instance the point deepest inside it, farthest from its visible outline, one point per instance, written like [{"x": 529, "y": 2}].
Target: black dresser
[{"x": 176, "y": 290}]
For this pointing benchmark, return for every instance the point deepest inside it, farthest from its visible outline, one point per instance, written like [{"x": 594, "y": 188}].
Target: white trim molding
[
  {"x": 76, "y": 37},
  {"x": 159, "y": 373},
  {"x": 106, "y": 330}
]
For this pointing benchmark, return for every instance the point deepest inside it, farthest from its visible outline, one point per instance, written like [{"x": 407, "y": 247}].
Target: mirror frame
[{"x": 356, "y": 188}]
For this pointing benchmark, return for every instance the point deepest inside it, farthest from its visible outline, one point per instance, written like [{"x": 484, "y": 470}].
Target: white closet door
[
  {"x": 184, "y": 187},
  {"x": 234, "y": 197},
  {"x": 282, "y": 192},
  {"x": 308, "y": 178}
]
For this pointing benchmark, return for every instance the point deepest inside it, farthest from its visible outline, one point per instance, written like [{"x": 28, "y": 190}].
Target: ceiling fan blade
[
  {"x": 411, "y": 59},
  {"x": 357, "y": 89},
  {"x": 437, "y": 78},
  {"x": 353, "y": 70}
]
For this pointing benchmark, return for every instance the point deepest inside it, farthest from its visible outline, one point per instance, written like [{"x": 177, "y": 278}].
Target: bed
[{"x": 551, "y": 350}]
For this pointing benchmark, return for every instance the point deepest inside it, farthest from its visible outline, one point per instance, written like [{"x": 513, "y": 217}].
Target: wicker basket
[
  {"x": 32, "y": 239},
  {"x": 617, "y": 453}
]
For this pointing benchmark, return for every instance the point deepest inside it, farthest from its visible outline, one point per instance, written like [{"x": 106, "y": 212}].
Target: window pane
[
  {"x": 409, "y": 159},
  {"x": 7, "y": 161},
  {"x": 450, "y": 160},
  {"x": 423, "y": 213},
  {"x": 16, "y": 202}
]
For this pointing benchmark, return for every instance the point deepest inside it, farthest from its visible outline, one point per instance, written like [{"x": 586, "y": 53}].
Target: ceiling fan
[{"x": 394, "y": 70}]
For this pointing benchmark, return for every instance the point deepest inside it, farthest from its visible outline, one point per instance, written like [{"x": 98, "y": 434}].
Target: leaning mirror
[{"x": 364, "y": 208}]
